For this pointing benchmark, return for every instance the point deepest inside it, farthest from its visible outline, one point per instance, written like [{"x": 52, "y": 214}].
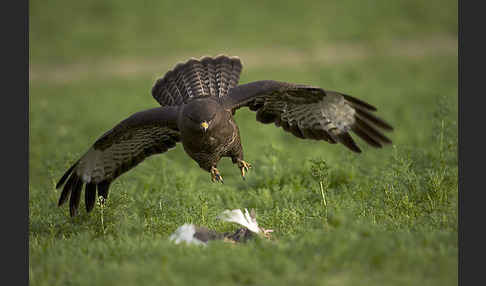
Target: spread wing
[
  {"x": 310, "y": 112},
  {"x": 143, "y": 134}
]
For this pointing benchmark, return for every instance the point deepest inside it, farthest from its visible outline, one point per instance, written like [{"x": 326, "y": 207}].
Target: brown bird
[{"x": 199, "y": 99}]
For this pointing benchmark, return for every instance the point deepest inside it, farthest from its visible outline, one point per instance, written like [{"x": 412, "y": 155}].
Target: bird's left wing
[
  {"x": 310, "y": 112},
  {"x": 141, "y": 135}
]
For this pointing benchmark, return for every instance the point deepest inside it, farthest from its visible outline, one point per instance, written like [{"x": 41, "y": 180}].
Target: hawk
[{"x": 198, "y": 100}]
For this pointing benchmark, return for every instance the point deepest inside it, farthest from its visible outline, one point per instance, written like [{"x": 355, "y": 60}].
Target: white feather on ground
[
  {"x": 185, "y": 233},
  {"x": 238, "y": 217}
]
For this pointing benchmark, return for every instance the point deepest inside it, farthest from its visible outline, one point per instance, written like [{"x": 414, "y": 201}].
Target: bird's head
[{"x": 200, "y": 115}]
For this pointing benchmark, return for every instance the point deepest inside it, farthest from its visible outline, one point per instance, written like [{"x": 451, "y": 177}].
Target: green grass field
[{"x": 390, "y": 216}]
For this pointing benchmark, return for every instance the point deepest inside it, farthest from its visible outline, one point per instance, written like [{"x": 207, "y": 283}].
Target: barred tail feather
[{"x": 207, "y": 76}]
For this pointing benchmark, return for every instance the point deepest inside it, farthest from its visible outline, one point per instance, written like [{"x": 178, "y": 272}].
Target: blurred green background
[{"x": 93, "y": 63}]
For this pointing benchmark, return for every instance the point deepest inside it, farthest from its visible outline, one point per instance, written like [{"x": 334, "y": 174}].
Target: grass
[
  {"x": 386, "y": 216},
  {"x": 66, "y": 32}
]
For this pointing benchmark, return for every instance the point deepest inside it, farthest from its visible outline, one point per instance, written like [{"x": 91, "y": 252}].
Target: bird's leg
[
  {"x": 244, "y": 167},
  {"x": 215, "y": 176}
]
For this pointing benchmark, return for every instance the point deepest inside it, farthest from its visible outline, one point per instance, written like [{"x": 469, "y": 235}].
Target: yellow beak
[{"x": 204, "y": 125}]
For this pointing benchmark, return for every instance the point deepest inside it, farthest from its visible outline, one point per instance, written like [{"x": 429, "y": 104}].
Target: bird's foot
[
  {"x": 267, "y": 233},
  {"x": 215, "y": 176},
  {"x": 244, "y": 167}
]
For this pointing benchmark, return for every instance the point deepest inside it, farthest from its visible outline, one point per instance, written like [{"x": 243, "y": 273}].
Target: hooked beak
[{"x": 204, "y": 126}]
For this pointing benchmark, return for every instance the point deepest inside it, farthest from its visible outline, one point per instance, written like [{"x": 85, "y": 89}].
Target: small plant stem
[
  {"x": 102, "y": 222},
  {"x": 441, "y": 143},
  {"x": 102, "y": 206},
  {"x": 323, "y": 198}
]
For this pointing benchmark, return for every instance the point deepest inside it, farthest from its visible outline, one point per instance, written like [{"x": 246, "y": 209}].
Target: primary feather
[{"x": 311, "y": 112}]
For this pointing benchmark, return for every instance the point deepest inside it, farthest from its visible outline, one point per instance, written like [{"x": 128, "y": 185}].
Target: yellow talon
[
  {"x": 215, "y": 176},
  {"x": 244, "y": 167}
]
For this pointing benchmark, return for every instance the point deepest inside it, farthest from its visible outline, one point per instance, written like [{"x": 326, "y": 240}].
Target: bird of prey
[{"x": 198, "y": 99}]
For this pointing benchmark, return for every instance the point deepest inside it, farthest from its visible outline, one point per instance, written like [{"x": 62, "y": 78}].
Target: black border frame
[
  {"x": 470, "y": 88},
  {"x": 15, "y": 159}
]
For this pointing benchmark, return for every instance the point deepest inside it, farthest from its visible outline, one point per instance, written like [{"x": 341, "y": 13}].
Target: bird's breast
[
  {"x": 202, "y": 143},
  {"x": 211, "y": 142}
]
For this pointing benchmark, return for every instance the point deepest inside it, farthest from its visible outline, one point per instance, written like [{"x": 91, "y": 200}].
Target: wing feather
[
  {"x": 120, "y": 149},
  {"x": 310, "y": 112},
  {"x": 90, "y": 196},
  {"x": 67, "y": 188},
  {"x": 75, "y": 196}
]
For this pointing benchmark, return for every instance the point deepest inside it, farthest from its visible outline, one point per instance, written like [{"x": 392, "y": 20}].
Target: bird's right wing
[{"x": 141, "y": 135}]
